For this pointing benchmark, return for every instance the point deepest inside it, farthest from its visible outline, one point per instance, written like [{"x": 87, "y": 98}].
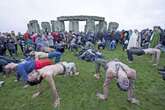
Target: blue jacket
[{"x": 24, "y": 68}]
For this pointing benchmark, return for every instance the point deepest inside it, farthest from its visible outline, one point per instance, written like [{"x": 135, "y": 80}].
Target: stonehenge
[{"x": 59, "y": 24}]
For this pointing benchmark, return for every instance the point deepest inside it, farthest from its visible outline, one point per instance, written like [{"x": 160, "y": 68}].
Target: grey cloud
[{"x": 129, "y": 13}]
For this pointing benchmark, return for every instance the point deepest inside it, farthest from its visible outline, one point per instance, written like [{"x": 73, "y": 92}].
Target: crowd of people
[{"x": 42, "y": 56}]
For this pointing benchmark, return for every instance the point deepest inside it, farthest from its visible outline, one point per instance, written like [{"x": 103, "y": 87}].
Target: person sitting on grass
[
  {"x": 124, "y": 75},
  {"x": 101, "y": 44},
  {"x": 48, "y": 73},
  {"x": 25, "y": 67},
  {"x": 138, "y": 51}
]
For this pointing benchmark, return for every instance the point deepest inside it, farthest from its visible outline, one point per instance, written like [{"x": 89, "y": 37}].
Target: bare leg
[
  {"x": 132, "y": 77},
  {"x": 153, "y": 57},
  {"x": 157, "y": 56},
  {"x": 130, "y": 90}
]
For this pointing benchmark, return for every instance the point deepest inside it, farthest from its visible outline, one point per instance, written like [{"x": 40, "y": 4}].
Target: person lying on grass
[
  {"x": 4, "y": 60},
  {"x": 124, "y": 75},
  {"x": 48, "y": 73},
  {"x": 25, "y": 67},
  {"x": 139, "y": 51},
  {"x": 53, "y": 54}
]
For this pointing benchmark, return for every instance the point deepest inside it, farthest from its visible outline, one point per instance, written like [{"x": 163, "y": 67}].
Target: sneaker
[
  {"x": 129, "y": 61},
  {"x": 1, "y": 83},
  {"x": 97, "y": 76},
  {"x": 134, "y": 101},
  {"x": 155, "y": 64},
  {"x": 100, "y": 96}
]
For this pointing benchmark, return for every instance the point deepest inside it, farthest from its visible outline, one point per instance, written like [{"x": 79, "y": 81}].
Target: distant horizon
[{"x": 130, "y": 14}]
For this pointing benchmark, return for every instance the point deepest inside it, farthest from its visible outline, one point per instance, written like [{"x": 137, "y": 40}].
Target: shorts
[{"x": 42, "y": 63}]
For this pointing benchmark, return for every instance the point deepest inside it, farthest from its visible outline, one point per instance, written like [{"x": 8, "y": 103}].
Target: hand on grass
[
  {"x": 97, "y": 76},
  {"x": 36, "y": 94},
  {"x": 101, "y": 96},
  {"x": 56, "y": 103},
  {"x": 134, "y": 101},
  {"x": 25, "y": 86}
]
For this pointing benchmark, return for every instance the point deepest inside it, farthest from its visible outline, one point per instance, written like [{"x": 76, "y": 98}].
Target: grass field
[{"x": 79, "y": 92}]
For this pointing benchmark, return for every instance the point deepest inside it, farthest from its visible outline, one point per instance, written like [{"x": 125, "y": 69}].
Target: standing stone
[
  {"x": 97, "y": 28},
  {"x": 55, "y": 26},
  {"x": 102, "y": 26},
  {"x": 45, "y": 27},
  {"x": 33, "y": 27},
  {"x": 58, "y": 26},
  {"x": 90, "y": 26},
  {"x": 62, "y": 26},
  {"x": 74, "y": 26},
  {"x": 113, "y": 26},
  {"x": 30, "y": 28}
]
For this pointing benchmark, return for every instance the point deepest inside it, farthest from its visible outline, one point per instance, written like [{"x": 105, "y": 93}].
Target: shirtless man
[
  {"x": 48, "y": 73},
  {"x": 124, "y": 75},
  {"x": 138, "y": 51}
]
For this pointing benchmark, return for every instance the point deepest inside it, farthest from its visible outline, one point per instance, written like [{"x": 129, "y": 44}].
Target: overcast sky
[{"x": 130, "y": 14}]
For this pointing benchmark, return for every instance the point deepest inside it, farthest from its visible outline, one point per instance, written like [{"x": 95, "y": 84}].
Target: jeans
[{"x": 56, "y": 55}]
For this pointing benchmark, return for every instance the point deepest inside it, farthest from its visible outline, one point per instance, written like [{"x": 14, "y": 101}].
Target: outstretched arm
[
  {"x": 107, "y": 81},
  {"x": 56, "y": 100}
]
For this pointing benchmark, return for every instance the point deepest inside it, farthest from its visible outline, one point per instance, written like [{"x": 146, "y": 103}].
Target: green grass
[{"x": 78, "y": 92}]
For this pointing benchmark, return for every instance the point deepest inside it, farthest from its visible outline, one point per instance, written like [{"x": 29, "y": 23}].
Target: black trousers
[{"x": 134, "y": 51}]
